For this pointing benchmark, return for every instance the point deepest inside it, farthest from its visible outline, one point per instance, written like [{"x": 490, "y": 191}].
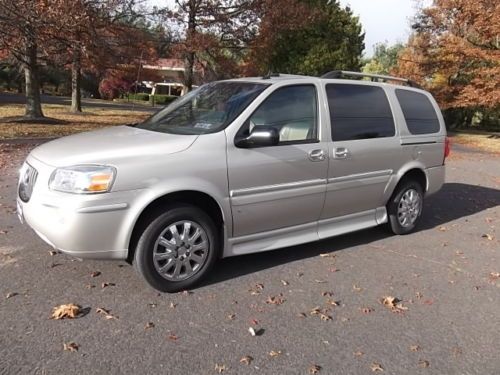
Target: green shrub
[
  {"x": 139, "y": 96},
  {"x": 162, "y": 99}
]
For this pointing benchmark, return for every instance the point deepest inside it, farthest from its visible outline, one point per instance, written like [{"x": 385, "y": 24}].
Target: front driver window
[{"x": 292, "y": 111}]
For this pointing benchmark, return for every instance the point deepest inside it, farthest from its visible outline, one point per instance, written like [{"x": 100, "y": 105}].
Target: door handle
[
  {"x": 317, "y": 155},
  {"x": 341, "y": 153}
]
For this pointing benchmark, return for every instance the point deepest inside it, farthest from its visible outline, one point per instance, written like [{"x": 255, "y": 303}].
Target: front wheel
[
  {"x": 405, "y": 207},
  {"x": 177, "y": 249}
]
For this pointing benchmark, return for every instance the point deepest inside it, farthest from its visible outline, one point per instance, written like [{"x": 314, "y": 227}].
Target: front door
[{"x": 284, "y": 185}]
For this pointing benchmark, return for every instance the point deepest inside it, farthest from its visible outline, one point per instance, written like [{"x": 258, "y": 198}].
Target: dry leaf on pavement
[
  {"x": 246, "y": 360},
  {"x": 106, "y": 313},
  {"x": 11, "y": 294},
  {"x": 284, "y": 282},
  {"x": 69, "y": 310},
  {"x": 393, "y": 304},
  {"x": 220, "y": 368},
  {"x": 376, "y": 367},
  {"x": 275, "y": 300},
  {"x": 274, "y": 353},
  {"x": 325, "y": 317},
  {"x": 414, "y": 348},
  {"x": 423, "y": 363},
  {"x": 105, "y": 285},
  {"x": 358, "y": 353},
  {"x": 489, "y": 237},
  {"x": 149, "y": 325},
  {"x": 71, "y": 347},
  {"x": 314, "y": 369}
]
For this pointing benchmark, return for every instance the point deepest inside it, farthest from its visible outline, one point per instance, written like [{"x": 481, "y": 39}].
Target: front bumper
[{"x": 84, "y": 226}]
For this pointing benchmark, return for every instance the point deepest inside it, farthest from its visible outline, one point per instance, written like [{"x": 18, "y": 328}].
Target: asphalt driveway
[{"x": 316, "y": 307}]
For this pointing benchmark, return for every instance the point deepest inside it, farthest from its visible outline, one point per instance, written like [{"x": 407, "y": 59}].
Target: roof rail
[{"x": 373, "y": 77}]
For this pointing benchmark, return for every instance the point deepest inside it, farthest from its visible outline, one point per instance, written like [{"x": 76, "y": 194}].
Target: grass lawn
[
  {"x": 93, "y": 118},
  {"x": 483, "y": 141}
]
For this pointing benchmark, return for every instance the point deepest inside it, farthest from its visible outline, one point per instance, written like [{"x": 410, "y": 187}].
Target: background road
[{"x": 446, "y": 275}]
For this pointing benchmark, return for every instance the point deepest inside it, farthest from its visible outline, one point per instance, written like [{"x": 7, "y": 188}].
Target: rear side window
[
  {"x": 420, "y": 115},
  {"x": 359, "y": 112}
]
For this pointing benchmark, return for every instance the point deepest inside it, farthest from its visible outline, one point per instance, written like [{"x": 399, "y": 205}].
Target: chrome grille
[{"x": 27, "y": 181}]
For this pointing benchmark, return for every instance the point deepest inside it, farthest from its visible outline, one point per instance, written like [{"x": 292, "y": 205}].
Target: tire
[
  {"x": 405, "y": 207},
  {"x": 170, "y": 262}
]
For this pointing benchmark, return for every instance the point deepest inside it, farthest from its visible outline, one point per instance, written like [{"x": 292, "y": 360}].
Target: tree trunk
[
  {"x": 190, "y": 56},
  {"x": 33, "y": 101},
  {"x": 76, "y": 92}
]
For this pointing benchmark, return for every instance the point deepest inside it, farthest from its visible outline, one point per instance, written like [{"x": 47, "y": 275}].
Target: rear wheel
[
  {"x": 177, "y": 249},
  {"x": 405, "y": 207}
]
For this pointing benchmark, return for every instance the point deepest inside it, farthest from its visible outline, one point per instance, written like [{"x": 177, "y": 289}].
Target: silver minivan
[{"x": 237, "y": 167}]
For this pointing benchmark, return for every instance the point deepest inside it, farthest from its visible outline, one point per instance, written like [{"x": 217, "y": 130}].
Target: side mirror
[{"x": 260, "y": 136}]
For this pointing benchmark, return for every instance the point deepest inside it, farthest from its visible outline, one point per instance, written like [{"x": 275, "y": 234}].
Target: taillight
[{"x": 447, "y": 148}]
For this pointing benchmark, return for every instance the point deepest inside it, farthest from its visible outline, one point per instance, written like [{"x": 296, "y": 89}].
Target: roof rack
[{"x": 373, "y": 77}]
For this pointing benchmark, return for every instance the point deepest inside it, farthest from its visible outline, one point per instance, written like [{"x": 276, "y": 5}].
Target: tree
[
  {"x": 306, "y": 37},
  {"x": 384, "y": 60},
  {"x": 25, "y": 26},
  {"x": 455, "y": 52},
  {"x": 212, "y": 32}
]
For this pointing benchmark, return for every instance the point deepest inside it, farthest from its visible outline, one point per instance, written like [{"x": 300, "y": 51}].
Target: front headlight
[{"x": 83, "y": 179}]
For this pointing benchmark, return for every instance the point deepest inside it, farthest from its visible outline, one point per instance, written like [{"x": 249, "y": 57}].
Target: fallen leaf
[
  {"x": 149, "y": 325},
  {"x": 393, "y": 304},
  {"x": 327, "y": 294},
  {"x": 325, "y": 317},
  {"x": 274, "y": 353},
  {"x": 315, "y": 311},
  {"x": 11, "y": 294},
  {"x": 423, "y": 363},
  {"x": 69, "y": 310},
  {"x": 358, "y": 353},
  {"x": 376, "y": 367},
  {"x": 172, "y": 305},
  {"x": 333, "y": 303},
  {"x": 301, "y": 315},
  {"x": 494, "y": 275},
  {"x": 246, "y": 360},
  {"x": 443, "y": 229},
  {"x": 419, "y": 295},
  {"x": 275, "y": 300},
  {"x": 489, "y": 237},
  {"x": 152, "y": 305},
  {"x": 95, "y": 274},
  {"x": 100, "y": 310},
  {"x": 105, "y": 285},
  {"x": 4, "y": 231},
  {"x": 231, "y": 316},
  {"x": 357, "y": 288},
  {"x": 220, "y": 368},
  {"x": 414, "y": 348},
  {"x": 53, "y": 252},
  {"x": 70, "y": 347},
  {"x": 173, "y": 337},
  {"x": 252, "y": 331},
  {"x": 284, "y": 282},
  {"x": 90, "y": 286},
  {"x": 314, "y": 369}
]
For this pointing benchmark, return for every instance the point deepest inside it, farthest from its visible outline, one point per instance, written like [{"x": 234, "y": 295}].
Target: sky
[{"x": 382, "y": 20}]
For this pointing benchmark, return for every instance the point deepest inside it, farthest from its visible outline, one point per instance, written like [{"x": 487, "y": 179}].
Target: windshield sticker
[{"x": 203, "y": 125}]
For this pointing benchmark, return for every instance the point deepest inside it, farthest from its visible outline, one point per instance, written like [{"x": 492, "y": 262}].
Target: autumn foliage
[{"x": 455, "y": 53}]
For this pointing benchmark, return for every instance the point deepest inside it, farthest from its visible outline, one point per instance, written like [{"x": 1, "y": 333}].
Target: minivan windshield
[{"x": 207, "y": 109}]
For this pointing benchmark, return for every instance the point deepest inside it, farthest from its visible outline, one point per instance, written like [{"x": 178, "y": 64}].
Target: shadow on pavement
[{"x": 452, "y": 202}]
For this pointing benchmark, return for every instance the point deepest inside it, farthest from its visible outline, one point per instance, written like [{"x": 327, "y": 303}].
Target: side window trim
[{"x": 315, "y": 138}]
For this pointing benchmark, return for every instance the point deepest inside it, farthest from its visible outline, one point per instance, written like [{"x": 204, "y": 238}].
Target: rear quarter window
[
  {"x": 419, "y": 113},
  {"x": 359, "y": 112}
]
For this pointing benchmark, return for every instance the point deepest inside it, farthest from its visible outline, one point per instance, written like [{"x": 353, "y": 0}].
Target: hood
[{"x": 109, "y": 146}]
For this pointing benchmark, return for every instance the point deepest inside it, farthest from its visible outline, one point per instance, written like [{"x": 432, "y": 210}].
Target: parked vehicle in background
[{"x": 237, "y": 167}]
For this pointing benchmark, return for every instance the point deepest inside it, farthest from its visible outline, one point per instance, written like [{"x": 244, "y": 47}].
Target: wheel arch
[
  {"x": 415, "y": 172},
  {"x": 199, "y": 199}
]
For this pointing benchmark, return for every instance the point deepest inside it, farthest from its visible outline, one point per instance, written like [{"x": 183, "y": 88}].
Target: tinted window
[
  {"x": 292, "y": 110},
  {"x": 359, "y": 112},
  {"x": 419, "y": 112}
]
